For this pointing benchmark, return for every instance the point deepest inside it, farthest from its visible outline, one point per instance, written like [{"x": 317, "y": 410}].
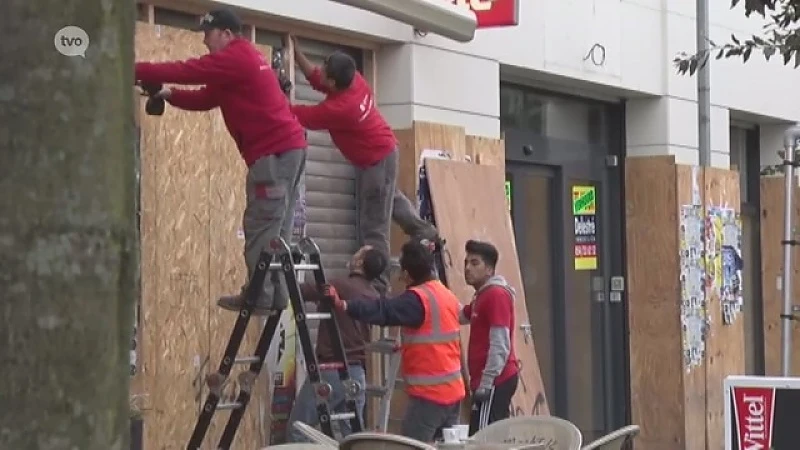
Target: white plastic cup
[
  {"x": 463, "y": 432},
  {"x": 450, "y": 435}
]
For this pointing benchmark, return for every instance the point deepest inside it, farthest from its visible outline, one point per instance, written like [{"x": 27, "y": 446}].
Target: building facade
[{"x": 574, "y": 88}]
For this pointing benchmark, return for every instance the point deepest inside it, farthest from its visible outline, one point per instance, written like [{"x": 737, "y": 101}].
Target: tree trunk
[{"x": 67, "y": 226}]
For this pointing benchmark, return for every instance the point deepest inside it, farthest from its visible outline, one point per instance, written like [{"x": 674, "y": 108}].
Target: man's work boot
[{"x": 236, "y": 303}]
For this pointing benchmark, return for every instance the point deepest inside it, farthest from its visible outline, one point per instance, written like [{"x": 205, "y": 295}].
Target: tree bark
[{"x": 67, "y": 226}]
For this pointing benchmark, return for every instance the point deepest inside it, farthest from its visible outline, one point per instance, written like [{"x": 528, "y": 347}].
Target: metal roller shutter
[{"x": 330, "y": 179}]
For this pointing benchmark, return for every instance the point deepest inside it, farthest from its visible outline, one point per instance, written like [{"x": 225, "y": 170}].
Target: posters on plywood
[
  {"x": 692, "y": 275},
  {"x": 724, "y": 261}
]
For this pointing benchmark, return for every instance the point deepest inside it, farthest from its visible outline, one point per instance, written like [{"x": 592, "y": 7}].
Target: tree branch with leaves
[{"x": 781, "y": 37}]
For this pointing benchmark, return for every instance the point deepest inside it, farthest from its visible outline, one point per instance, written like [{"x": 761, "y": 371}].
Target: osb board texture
[
  {"x": 192, "y": 201},
  {"x": 469, "y": 203},
  {"x": 773, "y": 194},
  {"x": 676, "y": 406},
  {"x": 657, "y": 401},
  {"x": 724, "y": 343}
]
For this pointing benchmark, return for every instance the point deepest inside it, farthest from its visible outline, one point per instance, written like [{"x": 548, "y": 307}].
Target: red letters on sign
[{"x": 493, "y": 13}]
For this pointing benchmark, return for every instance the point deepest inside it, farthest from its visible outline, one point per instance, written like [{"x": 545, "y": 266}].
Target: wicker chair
[{"x": 316, "y": 435}]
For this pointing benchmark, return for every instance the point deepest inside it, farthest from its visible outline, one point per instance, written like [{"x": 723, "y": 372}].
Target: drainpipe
[
  {"x": 703, "y": 86},
  {"x": 790, "y": 141}
]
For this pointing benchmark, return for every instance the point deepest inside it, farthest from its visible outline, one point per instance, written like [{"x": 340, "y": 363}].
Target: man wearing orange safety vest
[{"x": 428, "y": 313}]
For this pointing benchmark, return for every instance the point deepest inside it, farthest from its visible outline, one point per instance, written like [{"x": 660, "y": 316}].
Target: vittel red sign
[
  {"x": 492, "y": 13},
  {"x": 754, "y": 409}
]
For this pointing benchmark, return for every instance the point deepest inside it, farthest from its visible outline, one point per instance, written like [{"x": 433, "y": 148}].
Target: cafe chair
[
  {"x": 615, "y": 440},
  {"x": 555, "y": 433}
]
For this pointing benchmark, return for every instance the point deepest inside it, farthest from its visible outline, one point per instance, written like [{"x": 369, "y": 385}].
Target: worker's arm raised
[{"x": 312, "y": 72}]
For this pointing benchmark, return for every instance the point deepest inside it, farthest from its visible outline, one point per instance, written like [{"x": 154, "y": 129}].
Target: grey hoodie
[{"x": 499, "y": 337}]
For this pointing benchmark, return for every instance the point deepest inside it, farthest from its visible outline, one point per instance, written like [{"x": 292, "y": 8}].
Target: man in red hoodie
[
  {"x": 236, "y": 78},
  {"x": 493, "y": 368},
  {"x": 358, "y": 129}
]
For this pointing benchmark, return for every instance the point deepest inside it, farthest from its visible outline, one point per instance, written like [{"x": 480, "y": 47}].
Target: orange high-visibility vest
[{"x": 431, "y": 354}]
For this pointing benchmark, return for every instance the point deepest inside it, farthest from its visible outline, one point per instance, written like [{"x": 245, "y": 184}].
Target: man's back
[{"x": 255, "y": 109}]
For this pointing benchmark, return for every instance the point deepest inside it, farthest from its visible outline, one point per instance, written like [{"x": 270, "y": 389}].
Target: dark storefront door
[{"x": 567, "y": 221}]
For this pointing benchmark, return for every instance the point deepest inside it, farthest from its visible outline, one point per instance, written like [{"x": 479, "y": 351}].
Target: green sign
[{"x": 584, "y": 201}]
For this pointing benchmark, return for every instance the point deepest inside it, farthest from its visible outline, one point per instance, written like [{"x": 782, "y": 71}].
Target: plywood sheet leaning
[
  {"x": 228, "y": 274},
  {"x": 469, "y": 203},
  {"x": 725, "y": 341},
  {"x": 175, "y": 248},
  {"x": 773, "y": 194}
]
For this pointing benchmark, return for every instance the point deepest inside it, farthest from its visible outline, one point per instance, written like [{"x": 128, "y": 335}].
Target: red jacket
[
  {"x": 242, "y": 84},
  {"x": 352, "y": 118}
]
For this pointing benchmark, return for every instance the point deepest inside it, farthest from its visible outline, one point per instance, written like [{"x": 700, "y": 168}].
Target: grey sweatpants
[
  {"x": 380, "y": 202},
  {"x": 271, "y": 198}
]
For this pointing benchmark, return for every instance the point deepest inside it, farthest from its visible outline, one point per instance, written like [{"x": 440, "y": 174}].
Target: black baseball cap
[{"x": 223, "y": 19}]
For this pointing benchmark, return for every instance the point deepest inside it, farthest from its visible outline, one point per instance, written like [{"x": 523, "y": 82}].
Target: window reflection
[{"x": 553, "y": 116}]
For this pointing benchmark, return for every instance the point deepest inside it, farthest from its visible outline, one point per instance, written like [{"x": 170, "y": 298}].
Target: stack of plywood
[
  {"x": 192, "y": 198},
  {"x": 468, "y": 196}
]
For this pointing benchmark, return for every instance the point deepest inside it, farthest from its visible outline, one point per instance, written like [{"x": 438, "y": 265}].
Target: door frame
[{"x": 604, "y": 164}]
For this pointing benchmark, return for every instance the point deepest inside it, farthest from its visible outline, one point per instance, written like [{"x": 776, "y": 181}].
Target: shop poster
[
  {"x": 724, "y": 260},
  {"x": 694, "y": 315},
  {"x": 584, "y": 211}
]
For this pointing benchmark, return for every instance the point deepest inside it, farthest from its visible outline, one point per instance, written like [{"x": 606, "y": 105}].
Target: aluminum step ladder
[{"x": 279, "y": 257}]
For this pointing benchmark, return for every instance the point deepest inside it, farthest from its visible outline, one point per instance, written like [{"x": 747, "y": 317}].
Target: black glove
[{"x": 481, "y": 395}]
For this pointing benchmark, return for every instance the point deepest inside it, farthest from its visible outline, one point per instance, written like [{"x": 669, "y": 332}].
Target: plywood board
[
  {"x": 192, "y": 204},
  {"x": 773, "y": 193},
  {"x": 469, "y": 203},
  {"x": 175, "y": 227},
  {"x": 659, "y": 390},
  {"x": 725, "y": 342},
  {"x": 486, "y": 151}
]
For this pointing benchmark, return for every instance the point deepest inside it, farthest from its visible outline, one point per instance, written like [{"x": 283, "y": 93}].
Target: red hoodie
[
  {"x": 352, "y": 118},
  {"x": 242, "y": 84}
]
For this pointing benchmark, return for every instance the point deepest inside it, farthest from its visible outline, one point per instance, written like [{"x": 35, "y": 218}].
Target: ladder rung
[
  {"x": 383, "y": 346},
  {"x": 278, "y": 266},
  {"x": 247, "y": 360},
  {"x": 376, "y": 391},
  {"x": 318, "y": 316},
  {"x": 343, "y": 416},
  {"x": 224, "y": 406}
]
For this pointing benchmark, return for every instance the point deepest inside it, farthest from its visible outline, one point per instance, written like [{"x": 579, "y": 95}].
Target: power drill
[
  {"x": 154, "y": 106},
  {"x": 277, "y": 66}
]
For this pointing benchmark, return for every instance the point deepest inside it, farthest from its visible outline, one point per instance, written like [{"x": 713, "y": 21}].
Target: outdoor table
[{"x": 485, "y": 446}]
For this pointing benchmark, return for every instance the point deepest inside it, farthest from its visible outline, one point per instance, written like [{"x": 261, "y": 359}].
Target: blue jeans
[{"x": 305, "y": 404}]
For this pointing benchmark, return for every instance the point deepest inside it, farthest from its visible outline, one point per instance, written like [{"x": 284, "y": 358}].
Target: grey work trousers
[
  {"x": 425, "y": 419},
  {"x": 380, "y": 202},
  {"x": 271, "y": 198}
]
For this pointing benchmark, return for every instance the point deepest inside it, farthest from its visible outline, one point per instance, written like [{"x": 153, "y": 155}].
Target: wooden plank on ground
[{"x": 469, "y": 203}]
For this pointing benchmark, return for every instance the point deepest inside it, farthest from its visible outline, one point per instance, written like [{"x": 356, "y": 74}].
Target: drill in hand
[{"x": 155, "y": 105}]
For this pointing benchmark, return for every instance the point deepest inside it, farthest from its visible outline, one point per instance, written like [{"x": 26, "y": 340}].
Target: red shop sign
[{"x": 492, "y": 13}]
